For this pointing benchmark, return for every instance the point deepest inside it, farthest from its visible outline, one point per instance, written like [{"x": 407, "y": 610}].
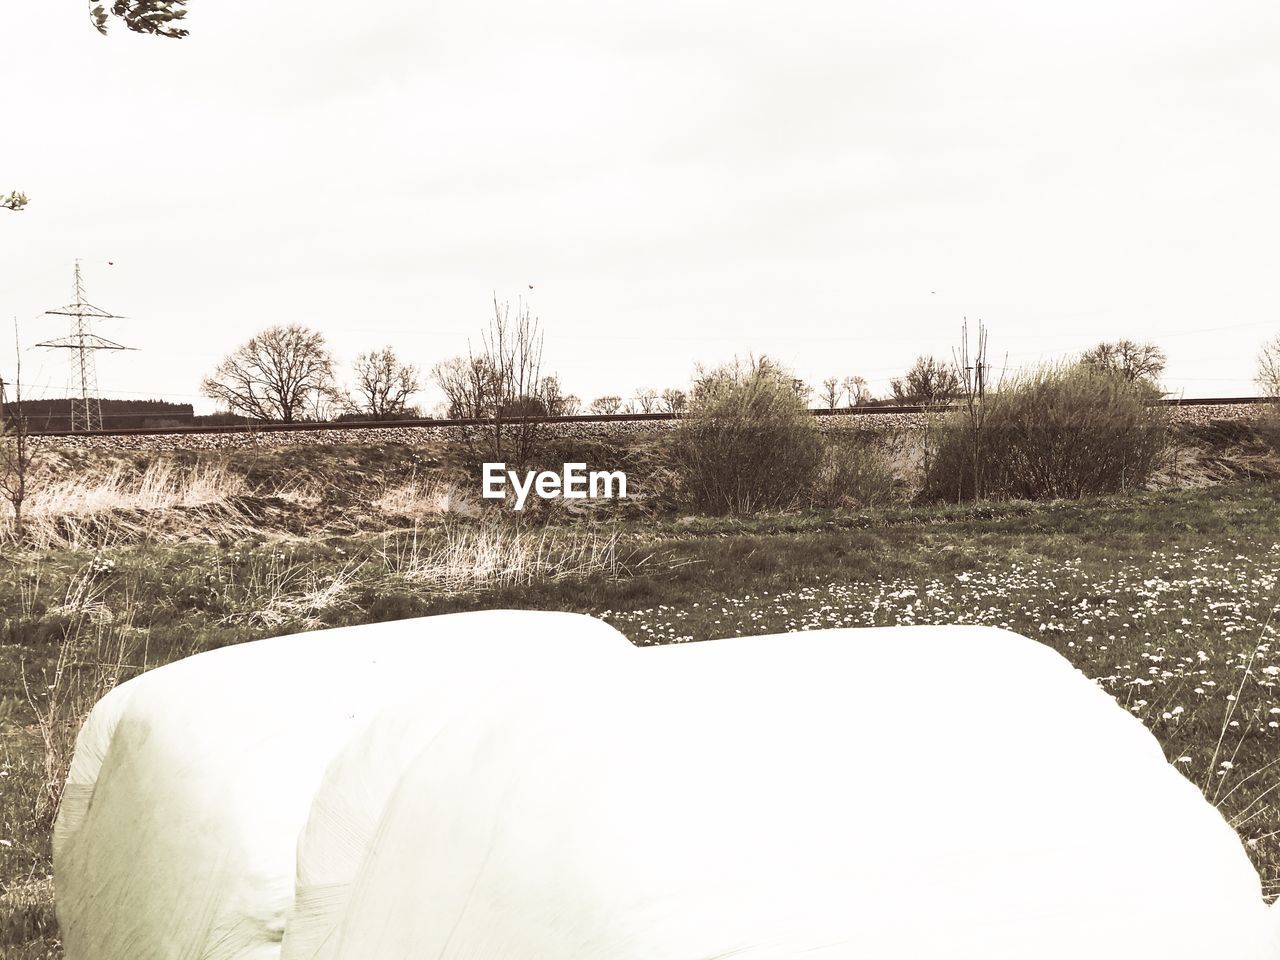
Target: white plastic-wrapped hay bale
[
  {"x": 899, "y": 793},
  {"x": 348, "y": 804},
  {"x": 92, "y": 743},
  {"x": 192, "y": 782}
]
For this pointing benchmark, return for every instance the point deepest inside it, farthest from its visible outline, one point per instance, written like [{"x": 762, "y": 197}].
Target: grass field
[{"x": 1164, "y": 597}]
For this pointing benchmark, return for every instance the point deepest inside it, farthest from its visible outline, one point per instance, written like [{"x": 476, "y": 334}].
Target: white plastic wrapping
[
  {"x": 348, "y": 804},
  {"x": 894, "y": 794},
  {"x": 191, "y": 783}
]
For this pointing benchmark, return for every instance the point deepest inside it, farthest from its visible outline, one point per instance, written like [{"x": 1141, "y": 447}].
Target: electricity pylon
[{"x": 86, "y": 409}]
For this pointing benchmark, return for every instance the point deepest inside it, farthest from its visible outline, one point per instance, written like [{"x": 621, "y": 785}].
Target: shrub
[
  {"x": 1268, "y": 425},
  {"x": 854, "y": 472},
  {"x": 1059, "y": 432},
  {"x": 748, "y": 442}
]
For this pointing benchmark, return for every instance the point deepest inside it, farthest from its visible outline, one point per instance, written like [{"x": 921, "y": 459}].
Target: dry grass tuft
[
  {"x": 27, "y": 917},
  {"x": 281, "y": 593},
  {"x": 162, "y": 502},
  {"x": 500, "y": 555},
  {"x": 421, "y": 499},
  {"x": 98, "y": 648}
]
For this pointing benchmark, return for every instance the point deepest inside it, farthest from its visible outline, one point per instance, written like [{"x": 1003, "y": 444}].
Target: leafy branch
[{"x": 163, "y": 18}]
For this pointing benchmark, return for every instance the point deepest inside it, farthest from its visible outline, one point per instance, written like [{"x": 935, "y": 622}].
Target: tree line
[{"x": 287, "y": 374}]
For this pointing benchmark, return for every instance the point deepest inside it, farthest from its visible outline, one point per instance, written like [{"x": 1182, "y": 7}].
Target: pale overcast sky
[{"x": 835, "y": 184}]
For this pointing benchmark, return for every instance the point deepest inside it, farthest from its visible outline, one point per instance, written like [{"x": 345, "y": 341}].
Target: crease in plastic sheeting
[
  {"x": 347, "y": 808},
  {"x": 72, "y": 810},
  {"x": 316, "y": 908},
  {"x": 474, "y": 835},
  {"x": 345, "y": 835},
  {"x": 346, "y": 823},
  {"x": 314, "y": 916},
  {"x": 249, "y": 934}
]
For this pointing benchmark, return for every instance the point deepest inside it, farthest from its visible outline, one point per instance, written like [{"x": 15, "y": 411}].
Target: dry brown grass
[
  {"x": 163, "y": 502},
  {"x": 421, "y": 499},
  {"x": 281, "y": 593},
  {"x": 98, "y": 648},
  {"x": 472, "y": 556}
]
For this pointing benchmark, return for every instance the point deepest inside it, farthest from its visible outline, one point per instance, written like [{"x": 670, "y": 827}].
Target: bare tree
[
  {"x": 929, "y": 382},
  {"x": 674, "y": 401},
  {"x": 606, "y": 405},
  {"x": 832, "y": 391},
  {"x": 468, "y": 387},
  {"x": 1269, "y": 369},
  {"x": 327, "y": 404},
  {"x": 502, "y": 383},
  {"x": 275, "y": 375},
  {"x": 1133, "y": 361},
  {"x": 647, "y": 401},
  {"x": 385, "y": 383},
  {"x": 18, "y": 447},
  {"x": 973, "y": 371},
  {"x": 552, "y": 401},
  {"x": 512, "y": 350},
  {"x": 856, "y": 392}
]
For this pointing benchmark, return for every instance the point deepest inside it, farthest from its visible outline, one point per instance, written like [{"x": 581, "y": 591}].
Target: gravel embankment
[{"x": 428, "y": 435}]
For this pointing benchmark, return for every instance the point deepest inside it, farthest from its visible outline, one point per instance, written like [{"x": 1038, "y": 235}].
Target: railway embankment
[{"x": 1195, "y": 417}]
